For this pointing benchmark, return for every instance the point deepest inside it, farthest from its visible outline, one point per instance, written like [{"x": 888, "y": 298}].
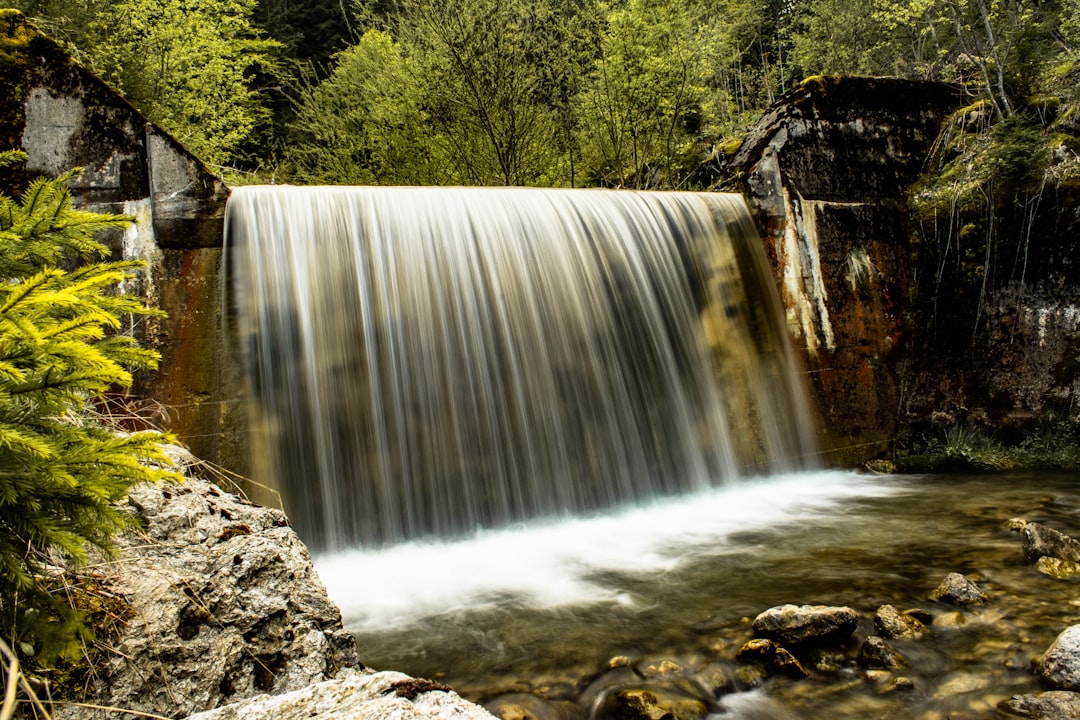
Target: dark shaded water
[{"x": 544, "y": 608}]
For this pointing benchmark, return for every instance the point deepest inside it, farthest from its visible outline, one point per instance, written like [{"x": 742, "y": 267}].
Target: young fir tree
[{"x": 62, "y": 469}]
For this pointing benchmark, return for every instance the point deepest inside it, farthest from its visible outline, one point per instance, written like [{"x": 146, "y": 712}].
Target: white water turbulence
[
  {"x": 424, "y": 362},
  {"x": 575, "y": 562}
]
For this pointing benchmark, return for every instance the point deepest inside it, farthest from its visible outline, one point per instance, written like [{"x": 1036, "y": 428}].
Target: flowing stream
[{"x": 543, "y": 608}]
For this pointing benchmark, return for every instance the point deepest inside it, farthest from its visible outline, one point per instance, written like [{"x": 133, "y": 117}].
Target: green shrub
[{"x": 62, "y": 469}]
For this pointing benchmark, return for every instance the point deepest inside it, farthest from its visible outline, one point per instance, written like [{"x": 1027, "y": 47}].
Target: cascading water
[{"x": 426, "y": 361}]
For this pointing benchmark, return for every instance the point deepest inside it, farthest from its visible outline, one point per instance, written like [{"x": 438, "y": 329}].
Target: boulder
[
  {"x": 806, "y": 624},
  {"x": 1053, "y": 705},
  {"x": 1059, "y": 667},
  {"x": 892, "y": 624},
  {"x": 355, "y": 695},
  {"x": 877, "y": 654},
  {"x": 956, "y": 589},
  {"x": 1042, "y": 541},
  {"x": 224, "y": 604}
]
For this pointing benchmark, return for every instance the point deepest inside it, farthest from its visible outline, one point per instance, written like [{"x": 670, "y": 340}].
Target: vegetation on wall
[{"x": 62, "y": 468}]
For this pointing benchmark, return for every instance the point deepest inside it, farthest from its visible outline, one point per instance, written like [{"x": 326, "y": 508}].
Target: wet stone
[
  {"x": 1057, "y": 568},
  {"x": 1042, "y": 541},
  {"x": 776, "y": 659},
  {"x": 956, "y": 589},
  {"x": 895, "y": 625},
  {"x": 877, "y": 654},
  {"x": 806, "y": 624},
  {"x": 1053, "y": 705},
  {"x": 1059, "y": 667},
  {"x": 650, "y": 703},
  {"x": 524, "y": 706}
]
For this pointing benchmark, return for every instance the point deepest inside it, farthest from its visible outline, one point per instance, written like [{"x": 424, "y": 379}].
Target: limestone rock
[
  {"x": 1059, "y": 666},
  {"x": 895, "y": 625},
  {"x": 806, "y": 624},
  {"x": 1053, "y": 705},
  {"x": 956, "y": 589},
  {"x": 225, "y": 604},
  {"x": 877, "y": 654},
  {"x": 1042, "y": 541},
  {"x": 355, "y": 695}
]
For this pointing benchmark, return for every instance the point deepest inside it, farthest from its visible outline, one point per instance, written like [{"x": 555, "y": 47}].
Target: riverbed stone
[
  {"x": 526, "y": 706},
  {"x": 1059, "y": 667},
  {"x": 356, "y": 695},
  {"x": 1052, "y": 705},
  {"x": 892, "y": 624},
  {"x": 795, "y": 625},
  {"x": 1042, "y": 541},
  {"x": 650, "y": 702},
  {"x": 1057, "y": 568},
  {"x": 225, "y": 604},
  {"x": 957, "y": 589},
  {"x": 776, "y": 659},
  {"x": 877, "y": 654}
]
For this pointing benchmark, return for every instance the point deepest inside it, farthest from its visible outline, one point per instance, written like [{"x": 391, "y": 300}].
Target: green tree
[
  {"x": 647, "y": 106},
  {"x": 838, "y": 37},
  {"x": 482, "y": 91},
  {"x": 189, "y": 66},
  {"x": 364, "y": 123},
  {"x": 62, "y": 470}
]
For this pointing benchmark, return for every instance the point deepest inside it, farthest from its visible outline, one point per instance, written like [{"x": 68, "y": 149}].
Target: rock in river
[
  {"x": 1059, "y": 666},
  {"x": 806, "y": 624}
]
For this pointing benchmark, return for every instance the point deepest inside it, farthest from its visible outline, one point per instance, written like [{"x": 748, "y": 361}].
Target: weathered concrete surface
[
  {"x": 63, "y": 117},
  {"x": 826, "y": 172}
]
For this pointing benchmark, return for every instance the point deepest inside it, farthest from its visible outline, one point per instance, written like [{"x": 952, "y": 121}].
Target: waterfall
[{"x": 422, "y": 362}]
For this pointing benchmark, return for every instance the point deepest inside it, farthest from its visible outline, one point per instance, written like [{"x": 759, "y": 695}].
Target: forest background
[{"x": 616, "y": 93}]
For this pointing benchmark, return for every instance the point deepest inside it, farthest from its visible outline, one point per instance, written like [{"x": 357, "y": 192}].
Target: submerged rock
[
  {"x": 1057, "y": 568},
  {"x": 1053, "y": 705},
  {"x": 895, "y": 625},
  {"x": 806, "y": 624},
  {"x": 650, "y": 702},
  {"x": 525, "y": 706},
  {"x": 355, "y": 695},
  {"x": 877, "y": 654},
  {"x": 956, "y": 589},
  {"x": 775, "y": 659},
  {"x": 225, "y": 604},
  {"x": 1059, "y": 667}
]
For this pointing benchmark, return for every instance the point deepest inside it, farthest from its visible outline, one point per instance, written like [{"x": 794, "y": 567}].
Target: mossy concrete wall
[
  {"x": 826, "y": 172},
  {"x": 63, "y": 116},
  {"x": 899, "y": 342}
]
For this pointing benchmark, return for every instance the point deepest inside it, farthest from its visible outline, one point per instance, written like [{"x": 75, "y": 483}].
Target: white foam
[{"x": 555, "y": 563}]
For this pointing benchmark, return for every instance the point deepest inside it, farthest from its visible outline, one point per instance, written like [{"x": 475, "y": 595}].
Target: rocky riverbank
[
  {"x": 226, "y": 619},
  {"x": 214, "y": 601}
]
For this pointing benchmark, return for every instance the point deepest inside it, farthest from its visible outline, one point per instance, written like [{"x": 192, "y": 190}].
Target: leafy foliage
[{"x": 62, "y": 470}]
